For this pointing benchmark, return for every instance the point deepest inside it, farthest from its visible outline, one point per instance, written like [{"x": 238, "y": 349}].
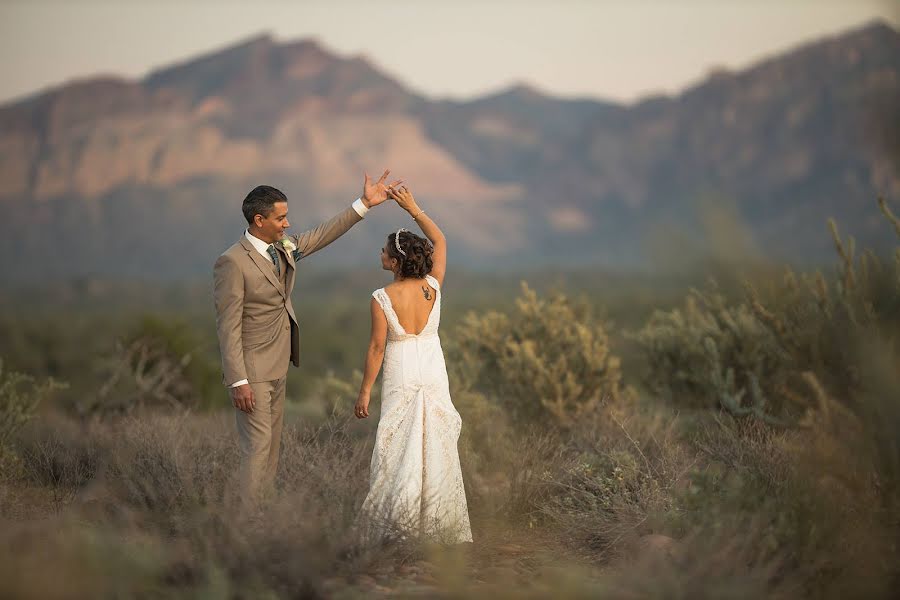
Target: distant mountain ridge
[{"x": 146, "y": 177}]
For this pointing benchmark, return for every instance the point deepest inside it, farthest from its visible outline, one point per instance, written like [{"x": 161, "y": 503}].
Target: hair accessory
[{"x": 397, "y": 240}]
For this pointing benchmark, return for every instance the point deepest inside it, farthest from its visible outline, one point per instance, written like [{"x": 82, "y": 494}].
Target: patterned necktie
[{"x": 274, "y": 254}]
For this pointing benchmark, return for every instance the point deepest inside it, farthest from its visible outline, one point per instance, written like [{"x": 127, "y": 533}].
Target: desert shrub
[
  {"x": 749, "y": 357},
  {"x": 617, "y": 482},
  {"x": 548, "y": 360},
  {"x": 162, "y": 465},
  {"x": 820, "y": 321},
  {"x": 20, "y": 395},
  {"x": 163, "y": 517},
  {"x": 709, "y": 353},
  {"x": 158, "y": 364},
  {"x": 60, "y": 455},
  {"x": 805, "y": 496},
  {"x": 817, "y": 352},
  {"x": 521, "y": 482},
  {"x": 327, "y": 395},
  {"x": 843, "y": 335},
  {"x": 170, "y": 482}
]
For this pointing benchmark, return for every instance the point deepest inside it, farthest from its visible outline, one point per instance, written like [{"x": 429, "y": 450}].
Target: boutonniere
[{"x": 289, "y": 247}]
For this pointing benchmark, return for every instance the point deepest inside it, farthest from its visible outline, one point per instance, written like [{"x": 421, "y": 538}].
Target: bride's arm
[
  {"x": 439, "y": 257},
  {"x": 374, "y": 358}
]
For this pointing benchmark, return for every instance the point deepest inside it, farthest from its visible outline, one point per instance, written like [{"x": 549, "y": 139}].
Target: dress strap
[
  {"x": 433, "y": 282},
  {"x": 382, "y": 298},
  {"x": 384, "y": 301}
]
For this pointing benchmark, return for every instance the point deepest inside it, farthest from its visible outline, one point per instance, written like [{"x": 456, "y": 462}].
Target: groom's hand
[
  {"x": 242, "y": 398},
  {"x": 376, "y": 193}
]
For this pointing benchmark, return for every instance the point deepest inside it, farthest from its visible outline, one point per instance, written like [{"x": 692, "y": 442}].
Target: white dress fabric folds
[{"x": 415, "y": 481}]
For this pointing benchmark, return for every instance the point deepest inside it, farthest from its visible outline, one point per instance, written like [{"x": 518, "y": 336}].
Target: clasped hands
[{"x": 377, "y": 192}]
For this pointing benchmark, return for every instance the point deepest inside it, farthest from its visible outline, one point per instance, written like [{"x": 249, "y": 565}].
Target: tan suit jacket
[{"x": 258, "y": 331}]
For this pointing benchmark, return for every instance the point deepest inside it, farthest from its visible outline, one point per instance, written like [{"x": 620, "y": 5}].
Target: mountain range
[{"x": 116, "y": 177}]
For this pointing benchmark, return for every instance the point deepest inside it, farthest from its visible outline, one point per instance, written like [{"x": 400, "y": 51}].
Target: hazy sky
[{"x": 455, "y": 48}]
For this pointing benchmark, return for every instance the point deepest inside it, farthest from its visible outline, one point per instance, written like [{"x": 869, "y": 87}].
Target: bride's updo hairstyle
[{"x": 417, "y": 263}]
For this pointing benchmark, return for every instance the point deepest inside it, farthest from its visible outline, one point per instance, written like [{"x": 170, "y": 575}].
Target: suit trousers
[{"x": 259, "y": 435}]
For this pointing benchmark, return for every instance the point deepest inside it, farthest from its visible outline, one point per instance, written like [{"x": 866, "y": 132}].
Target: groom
[{"x": 255, "y": 321}]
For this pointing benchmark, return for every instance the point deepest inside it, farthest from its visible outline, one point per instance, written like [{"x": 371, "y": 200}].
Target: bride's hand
[
  {"x": 403, "y": 197},
  {"x": 361, "y": 410}
]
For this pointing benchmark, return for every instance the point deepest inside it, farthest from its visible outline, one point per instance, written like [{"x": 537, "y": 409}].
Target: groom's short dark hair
[{"x": 261, "y": 201}]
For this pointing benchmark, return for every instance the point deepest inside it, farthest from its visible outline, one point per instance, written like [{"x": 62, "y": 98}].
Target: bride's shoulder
[
  {"x": 381, "y": 298},
  {"x": 399, "y": 287}
]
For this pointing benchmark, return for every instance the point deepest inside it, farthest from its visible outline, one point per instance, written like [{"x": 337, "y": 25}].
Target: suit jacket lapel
[{"x": 264, "y": 265}]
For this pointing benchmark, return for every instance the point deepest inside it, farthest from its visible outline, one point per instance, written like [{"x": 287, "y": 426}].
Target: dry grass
[
  {"x": 634, "y": 503},
  {"x": 148, "y": 503}
]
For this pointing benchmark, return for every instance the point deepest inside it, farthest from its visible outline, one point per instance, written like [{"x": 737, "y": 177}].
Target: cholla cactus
[
  {"x": 820, "y": 323},
  {"x": 731, "y": 397},
  {"x": 157, "y": 364},
  {"x": 548, "y": 358},
  {"x": 711, "y": 353},
  {"x": 20, "y": 396},
  {"x": 751, "y": 357}
]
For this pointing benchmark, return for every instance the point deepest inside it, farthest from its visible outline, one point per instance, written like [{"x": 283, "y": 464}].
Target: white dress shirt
[{"x": 263, "y": 248}]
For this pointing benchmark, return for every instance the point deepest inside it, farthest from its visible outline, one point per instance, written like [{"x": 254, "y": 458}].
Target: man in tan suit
[{"x": 255, "y": 321}]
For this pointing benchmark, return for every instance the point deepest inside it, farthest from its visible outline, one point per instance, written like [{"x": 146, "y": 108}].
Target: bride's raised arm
[{"x": 408, "y": 203}]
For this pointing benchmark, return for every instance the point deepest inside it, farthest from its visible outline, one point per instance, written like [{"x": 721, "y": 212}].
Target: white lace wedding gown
[{"x": 415, "y": 481}]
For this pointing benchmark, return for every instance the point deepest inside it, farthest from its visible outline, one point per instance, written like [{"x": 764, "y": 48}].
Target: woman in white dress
[{"x": 415, "y": 480}]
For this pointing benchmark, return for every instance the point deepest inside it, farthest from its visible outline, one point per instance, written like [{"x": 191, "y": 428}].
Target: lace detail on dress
[{"x": 415, "y": 479}]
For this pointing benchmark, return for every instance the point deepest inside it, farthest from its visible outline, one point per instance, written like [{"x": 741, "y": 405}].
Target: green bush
[
  {"x": 159, "y": 363},
  {"x": 20, "y": 396},
  {"x": 750, "y": 357},
  {"x": 547, "y": 360},
  {"x": 817, "y": 351},
  {"x": 710, "y": 353}
]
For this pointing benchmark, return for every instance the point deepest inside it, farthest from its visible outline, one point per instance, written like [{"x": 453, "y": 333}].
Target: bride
[{"x": 415, "y": 480}]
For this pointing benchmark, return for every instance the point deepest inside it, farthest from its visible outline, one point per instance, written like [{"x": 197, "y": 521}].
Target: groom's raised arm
[
  {"x": 322, "y": 235},
  {"x": 229, "y": 298},
  {"x": 374, "y": 193}
]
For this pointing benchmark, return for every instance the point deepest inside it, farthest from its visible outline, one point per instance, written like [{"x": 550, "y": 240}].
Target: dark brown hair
[
  {"x": 261, "y": 201},
  {"x": 417, "y": 263}
]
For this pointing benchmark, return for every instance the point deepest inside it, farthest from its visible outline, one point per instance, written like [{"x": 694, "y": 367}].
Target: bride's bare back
[{"x": 412, "y": 300}]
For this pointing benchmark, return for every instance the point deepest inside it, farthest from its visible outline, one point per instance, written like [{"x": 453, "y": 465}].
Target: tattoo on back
[{"x": 427, "y": 291}]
